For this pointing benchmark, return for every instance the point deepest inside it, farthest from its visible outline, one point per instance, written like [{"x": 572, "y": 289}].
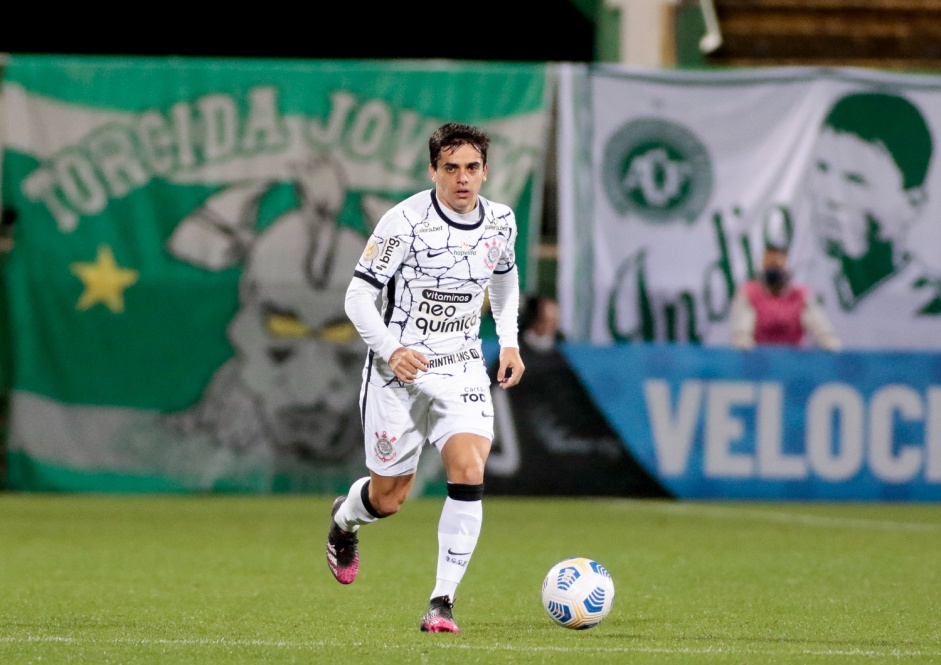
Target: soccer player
[{"x": 433, "y": 256}]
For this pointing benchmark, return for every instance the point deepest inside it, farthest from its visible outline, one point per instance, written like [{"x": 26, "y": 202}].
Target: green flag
[{"x": 186, "y": 231}]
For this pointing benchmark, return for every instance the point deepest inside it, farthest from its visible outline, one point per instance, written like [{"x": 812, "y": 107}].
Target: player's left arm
[
  {"x": 505, "y": 303},
  {"x": 511, "y": 367}
]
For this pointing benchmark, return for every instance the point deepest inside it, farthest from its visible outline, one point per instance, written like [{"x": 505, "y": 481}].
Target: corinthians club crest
[
  {"x": 383, "y": 448},
  {"x": 493, "y": 254}
]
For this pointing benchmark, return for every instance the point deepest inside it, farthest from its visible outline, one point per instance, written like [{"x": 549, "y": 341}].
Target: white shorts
[{"x": 399, "y": 419}]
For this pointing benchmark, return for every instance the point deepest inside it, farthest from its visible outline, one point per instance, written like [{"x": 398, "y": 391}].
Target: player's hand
[
  {"x": 511, "y": 368},
  {"x": 406, "y": 364}
]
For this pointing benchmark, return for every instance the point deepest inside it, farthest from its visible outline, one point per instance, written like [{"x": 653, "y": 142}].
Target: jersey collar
[{"x": 456, "y": 224}]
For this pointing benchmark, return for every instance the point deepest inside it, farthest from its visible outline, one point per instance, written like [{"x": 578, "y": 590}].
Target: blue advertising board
[{"x": 773, "y": 423}]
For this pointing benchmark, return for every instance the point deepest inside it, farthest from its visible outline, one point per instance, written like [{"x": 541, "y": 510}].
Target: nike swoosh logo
[
  {"x": 432, "y": 255},
  {"x": 486, "y": 415},
  {"x": 457, "y": 553}
]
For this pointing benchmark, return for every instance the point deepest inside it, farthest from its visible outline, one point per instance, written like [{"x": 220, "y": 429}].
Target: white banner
[{"x": 670, "y": 180}]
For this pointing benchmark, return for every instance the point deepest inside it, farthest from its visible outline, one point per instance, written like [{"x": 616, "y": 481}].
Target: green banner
[{"x": 185, "y": 232}]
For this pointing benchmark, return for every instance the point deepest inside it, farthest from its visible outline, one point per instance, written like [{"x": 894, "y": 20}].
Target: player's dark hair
[{"x": 454, "y": 135}]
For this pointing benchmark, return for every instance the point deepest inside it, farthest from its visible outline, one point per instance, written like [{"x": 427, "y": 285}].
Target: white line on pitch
[{"x": 579, "y": 648}]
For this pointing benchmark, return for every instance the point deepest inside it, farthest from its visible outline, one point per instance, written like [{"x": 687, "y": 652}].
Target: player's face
[
  {"x": 854, "y": 185},
  {"x": 459, "y": 174}
]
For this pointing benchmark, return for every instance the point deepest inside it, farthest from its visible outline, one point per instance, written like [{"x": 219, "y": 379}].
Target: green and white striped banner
[{"x": 186, "y": 229}]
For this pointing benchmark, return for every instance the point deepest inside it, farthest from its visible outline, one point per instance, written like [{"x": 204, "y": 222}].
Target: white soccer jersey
[{"x": 433, "y": 269}]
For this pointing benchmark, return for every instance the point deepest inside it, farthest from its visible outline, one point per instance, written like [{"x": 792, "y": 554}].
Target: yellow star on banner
[{"x": 104, "y": 281}]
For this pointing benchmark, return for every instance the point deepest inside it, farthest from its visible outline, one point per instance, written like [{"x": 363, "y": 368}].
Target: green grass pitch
[{"x": 237, "y": 579}]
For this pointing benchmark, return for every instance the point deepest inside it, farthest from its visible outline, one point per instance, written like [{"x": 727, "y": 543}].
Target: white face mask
[{"x": 539, "y": 342}]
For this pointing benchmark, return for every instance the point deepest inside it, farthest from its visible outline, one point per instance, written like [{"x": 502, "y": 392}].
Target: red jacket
[{"x": 777, "y": 317}]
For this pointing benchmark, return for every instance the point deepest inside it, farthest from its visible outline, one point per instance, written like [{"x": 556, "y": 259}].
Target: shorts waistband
[{"x": 464, "y": 355}]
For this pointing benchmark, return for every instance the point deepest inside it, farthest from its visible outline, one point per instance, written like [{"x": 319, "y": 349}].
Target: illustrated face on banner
[
  {"x": 859, "y": 195},
  {"x": 866, "y": 186},
  {"x": 292, "y": 387},
  {"x": 297, "y": 354}
]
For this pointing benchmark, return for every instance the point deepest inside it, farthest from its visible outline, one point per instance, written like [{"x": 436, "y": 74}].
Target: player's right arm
[
  {"x": 361, "y": 309},
  {"x": 384, "y": 253},
  {"x": 360, "y": 306}
]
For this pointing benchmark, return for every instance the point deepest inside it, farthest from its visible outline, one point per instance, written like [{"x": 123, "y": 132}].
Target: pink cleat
[
  {"x": 438, "y": 618},
  {"x": 342, "y": 555}
]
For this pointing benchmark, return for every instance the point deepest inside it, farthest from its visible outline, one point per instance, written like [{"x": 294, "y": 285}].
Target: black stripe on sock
[
  {"x": 460, "y": 492},
  {"x": 364, "y": 495}
]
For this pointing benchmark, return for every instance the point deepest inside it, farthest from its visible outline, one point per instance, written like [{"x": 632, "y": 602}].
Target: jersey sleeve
[
  {"x": 360, "y": 305},
  {"x": 385, "y": 250},
  {"x": 505, "y": 304},
  {"x": 508, "y": 259}
]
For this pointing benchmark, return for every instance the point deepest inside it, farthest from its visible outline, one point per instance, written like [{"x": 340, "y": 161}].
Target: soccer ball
[{"x": 578, "y": 593}]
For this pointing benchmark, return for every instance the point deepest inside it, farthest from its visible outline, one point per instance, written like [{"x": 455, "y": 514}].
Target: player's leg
[
  {"x": 369, "y": 498},
  {"x": 462, "y": 429},
  {"x": 464, "y": 456},
  {"x": 393, "y": 443},
  {"x": 372, "y": 498}
]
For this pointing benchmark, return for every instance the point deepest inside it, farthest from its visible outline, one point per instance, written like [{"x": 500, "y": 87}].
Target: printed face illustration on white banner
[
  {"x": 669, "y": 180},
  {"x": 867, "y": 189}
]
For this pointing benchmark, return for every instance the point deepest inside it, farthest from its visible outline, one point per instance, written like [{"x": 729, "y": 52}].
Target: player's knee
[
  {"x": 470, "y": 473},
  {"x": 465, "y": 458}
]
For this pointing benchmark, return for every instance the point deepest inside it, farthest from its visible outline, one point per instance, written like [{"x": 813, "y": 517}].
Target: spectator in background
[
  {"x": 551, "y": 438},
  {"x": 7, "y": 224},
  {"x": 539, "y": 323},
  {"x": 771, "y": 309}
]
